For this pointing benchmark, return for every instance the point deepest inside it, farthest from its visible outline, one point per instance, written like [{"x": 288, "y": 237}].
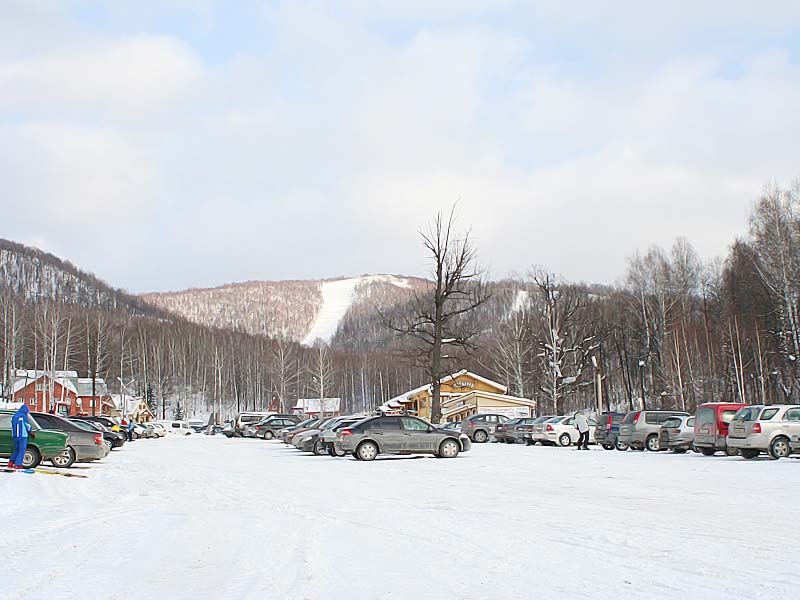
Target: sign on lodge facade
[{"x": 463, "y": 394}]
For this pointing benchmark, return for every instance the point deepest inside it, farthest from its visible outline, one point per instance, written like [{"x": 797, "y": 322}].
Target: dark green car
[{"x": 46, "y": 445}]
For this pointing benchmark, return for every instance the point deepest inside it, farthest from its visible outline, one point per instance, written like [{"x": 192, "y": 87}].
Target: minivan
[
  {"x": 711, "y": 427},
  {"x": 640, "y": 428}
]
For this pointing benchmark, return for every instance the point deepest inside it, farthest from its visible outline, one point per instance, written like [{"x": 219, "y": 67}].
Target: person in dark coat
[{"x": 20, "y": 430}]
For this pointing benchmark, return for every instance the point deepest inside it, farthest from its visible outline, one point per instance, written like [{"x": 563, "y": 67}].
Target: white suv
[{"x": 772, "y": 429}]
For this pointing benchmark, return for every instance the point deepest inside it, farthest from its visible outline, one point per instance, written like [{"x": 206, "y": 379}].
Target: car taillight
[
  {"x": 98, "y": 439},
  {"x": 470, "y": 424},
  {"x": 676, "y": 431},
  {"x": 550, "y": 428},
  {"x": 636, "y": 418},
  {"x": 756, "y": 427},
  {"x": 610, "y": 421},
  {"x": 346, "y": 432}
]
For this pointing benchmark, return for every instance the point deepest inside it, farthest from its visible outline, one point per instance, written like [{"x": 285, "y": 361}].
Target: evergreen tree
[{"x": 178, "y": 412}]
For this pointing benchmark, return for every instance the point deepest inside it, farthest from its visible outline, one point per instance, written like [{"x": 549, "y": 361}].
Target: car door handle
[{"x": 406, "y": 433}]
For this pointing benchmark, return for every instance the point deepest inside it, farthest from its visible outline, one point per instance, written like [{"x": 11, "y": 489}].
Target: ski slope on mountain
[{"x": 337, "y": 298}]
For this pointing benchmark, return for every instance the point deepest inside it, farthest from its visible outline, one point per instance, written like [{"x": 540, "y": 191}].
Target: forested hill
[
  {"x": 36, "y": 275},
  {"x": 303, "y": 311}
]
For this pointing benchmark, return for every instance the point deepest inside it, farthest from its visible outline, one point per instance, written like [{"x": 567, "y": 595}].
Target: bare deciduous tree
[{"x": 439, "y": 322}]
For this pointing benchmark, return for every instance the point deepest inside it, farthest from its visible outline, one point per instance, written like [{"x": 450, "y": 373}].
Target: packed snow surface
[
  {"x": 337, "y": 298},
  {"x": 209, "y": 517}
]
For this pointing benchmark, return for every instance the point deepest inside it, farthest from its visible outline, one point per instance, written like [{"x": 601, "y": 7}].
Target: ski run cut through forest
[{"x": 210, "y": 517}]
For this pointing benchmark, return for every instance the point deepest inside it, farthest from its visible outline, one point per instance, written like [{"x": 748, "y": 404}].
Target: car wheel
[
  {"x": 319, "y": 448},
  {"x": 608, "y": 447},
  {"x": 32, "y": 458},
  {"x": 779, "y": 448},
  {"x": 731, "y": 451},
  {"x": 746, "y": 453},
  {"x": 337, "y": 451},
  {"x": 367, "y": 451},
  {"x": 449, "y": 449},
  {"x": 356, "y": 456},
  {"x": 480, "y": 436},
  {"x": 708, "y": 451},
  {"x": 565, "y": 440},
  {"x": 652, "y": 444},
  {"x": 64, "y": 460},
  {"x": 621, "y": 446}
]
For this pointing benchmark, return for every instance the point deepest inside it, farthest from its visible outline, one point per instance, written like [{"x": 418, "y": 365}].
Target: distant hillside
[
  {"x": 33, "y": 274},
  {"x": 299, "y": 310}
]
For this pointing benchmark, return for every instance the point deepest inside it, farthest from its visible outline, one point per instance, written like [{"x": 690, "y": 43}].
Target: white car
[
  {"x": 561, "y": 431},
  {"x": 773, "y": 429},
  {"x": 176, "y": 427},
  {"x": 160, "y": 430}
]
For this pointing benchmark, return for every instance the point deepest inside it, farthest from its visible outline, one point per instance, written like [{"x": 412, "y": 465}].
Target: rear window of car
[
  {"x": 672, "y": 422},
  {"x": 616, "y": 419},
  {"x": 748, "y": 413},
  {"x": 554, "y": 420},
  {"x": 727, "y": 416},
  {"x": 384, "y": 423},
  {"x": 629, "y": 418},
  {"x": 705, "y": 416},
  {"x": 768, "y": 414}
]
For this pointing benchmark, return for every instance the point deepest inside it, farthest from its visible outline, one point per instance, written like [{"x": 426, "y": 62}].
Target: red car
[{"x": 711, "y": 427}]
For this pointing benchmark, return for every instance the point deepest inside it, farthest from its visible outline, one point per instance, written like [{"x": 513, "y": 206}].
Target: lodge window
[{"x": 32, "y": 401}]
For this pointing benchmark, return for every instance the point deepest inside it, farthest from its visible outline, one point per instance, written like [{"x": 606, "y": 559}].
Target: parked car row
[
  {"x": 365, "y": 438},
  {"x": 734, "y": 429},
  {"x": 63, "y": 441}
]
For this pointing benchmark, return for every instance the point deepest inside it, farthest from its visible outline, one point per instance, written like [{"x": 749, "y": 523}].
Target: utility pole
[
  {"x": 641, "y": 381},
  {"x": 598, "y": 384}
]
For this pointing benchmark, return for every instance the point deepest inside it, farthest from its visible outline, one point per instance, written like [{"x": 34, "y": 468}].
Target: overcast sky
[{"x": 193, "y": 143}]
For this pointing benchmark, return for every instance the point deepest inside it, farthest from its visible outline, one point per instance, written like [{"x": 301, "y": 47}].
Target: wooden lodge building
[
  {"x": 60, "y": 392},
  {"x": 463, "y": 394}
]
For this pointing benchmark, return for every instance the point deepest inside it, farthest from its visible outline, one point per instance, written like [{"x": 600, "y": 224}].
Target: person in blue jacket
[{"x": 20, "y": 430}]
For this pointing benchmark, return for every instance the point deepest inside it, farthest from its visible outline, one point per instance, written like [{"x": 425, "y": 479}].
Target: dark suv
[
  {"x": 607, "y": 430},
  {"x": 479, "y": 427}
]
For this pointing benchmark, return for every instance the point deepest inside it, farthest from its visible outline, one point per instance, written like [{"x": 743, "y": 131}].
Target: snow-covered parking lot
[{"x": 215, "y": 518}]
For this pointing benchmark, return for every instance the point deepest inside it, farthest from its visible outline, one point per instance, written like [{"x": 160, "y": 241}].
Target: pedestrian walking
[
  {"x": 582, "y": 425},
  {"x": 20, "y": 430}
]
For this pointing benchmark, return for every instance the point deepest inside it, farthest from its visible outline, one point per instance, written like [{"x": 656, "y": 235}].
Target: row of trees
[{"x": 678, "y": 332}]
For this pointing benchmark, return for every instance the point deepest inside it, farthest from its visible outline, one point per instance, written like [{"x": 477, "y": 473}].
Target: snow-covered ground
[
  {"x": 337, "y": 298},
  {"x": 215, "y": 518}
]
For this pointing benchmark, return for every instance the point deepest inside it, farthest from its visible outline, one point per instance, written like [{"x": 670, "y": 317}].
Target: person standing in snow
[
  {"x": 130, "y": 430},
  {"x": 20, "y": 430},
  {"x": 582, "y": 425}
]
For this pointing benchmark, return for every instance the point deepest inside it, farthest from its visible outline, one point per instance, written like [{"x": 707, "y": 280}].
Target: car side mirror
[{"x": 431, "y": 428}]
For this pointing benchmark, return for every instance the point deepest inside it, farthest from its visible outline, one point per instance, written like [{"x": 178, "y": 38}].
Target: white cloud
[{"x": 322, "y": 152}]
